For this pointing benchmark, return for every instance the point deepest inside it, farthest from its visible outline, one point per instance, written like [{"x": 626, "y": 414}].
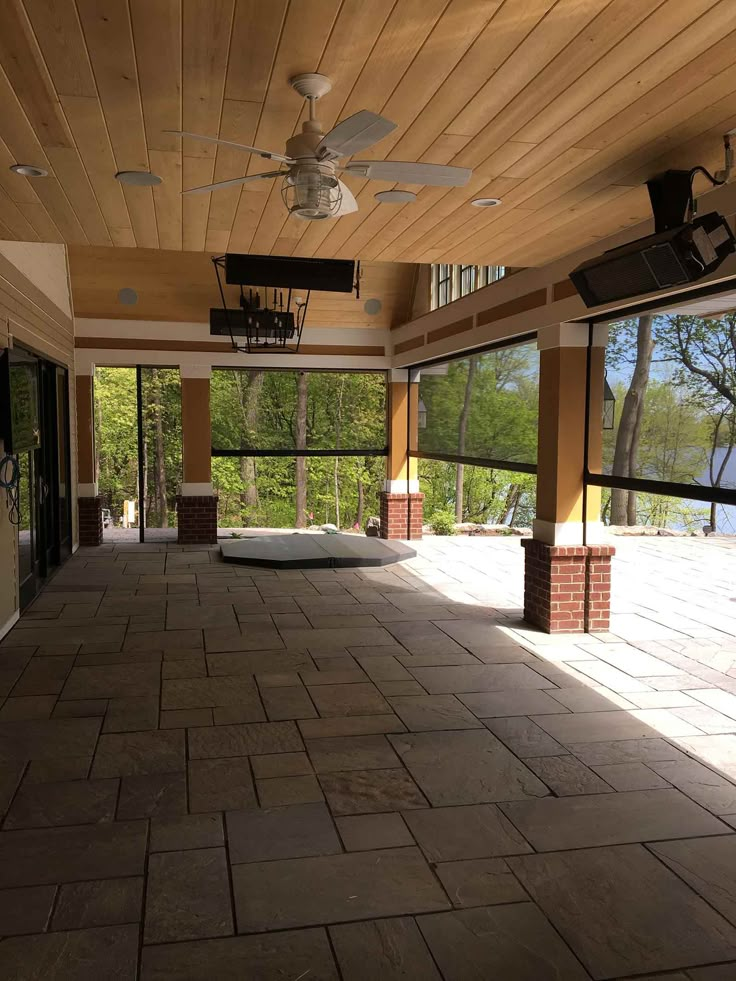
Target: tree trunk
[
  {"x": 159, "y": 458},
  {"x": 461, "y": 433},
  {"x": 627, "y": 438},
  {"x": 248, "y": 472},
  {"x": 301, "y": 444},
  {"x": 361, "y": 503},
  {"x": 631, "y": 516}
]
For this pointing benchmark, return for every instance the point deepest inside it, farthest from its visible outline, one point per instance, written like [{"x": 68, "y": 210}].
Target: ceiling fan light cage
[{"x": 311, "y": 192}]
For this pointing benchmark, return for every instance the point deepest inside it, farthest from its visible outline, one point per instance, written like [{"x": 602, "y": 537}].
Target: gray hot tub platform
[{"x": 315, "y": 551}]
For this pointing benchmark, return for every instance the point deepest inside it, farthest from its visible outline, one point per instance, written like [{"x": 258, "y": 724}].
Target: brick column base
[
  {"x": 402, "y": 515},
  {"x": 90, "y": 520},
  {"x": 197, "y": 520},
  {"x": 567, "y": 588}
]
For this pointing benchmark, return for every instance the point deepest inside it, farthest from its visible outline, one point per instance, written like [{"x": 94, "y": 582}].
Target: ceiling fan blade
[
  {"x": 236, "y": 180},
  {"x": 266, "y": 154},
  {"x": 348, "y": 204},
  {"x": 357, "y": 132},
  {"x": 410, "y": 173}
]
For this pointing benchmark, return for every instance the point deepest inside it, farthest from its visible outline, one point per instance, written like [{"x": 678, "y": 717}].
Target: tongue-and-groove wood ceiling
[{"x": 562, "y": 107}]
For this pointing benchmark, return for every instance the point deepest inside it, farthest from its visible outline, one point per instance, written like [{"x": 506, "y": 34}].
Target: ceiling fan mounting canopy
[{"x": 311, "y": 188}]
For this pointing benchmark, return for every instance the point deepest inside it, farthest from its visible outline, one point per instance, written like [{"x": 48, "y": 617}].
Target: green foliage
[
  {"x": 442, "y": 522},
  {"x": 116, "y": 437},
  {"x": 258, "y": 410},
  {"x": 502, "y": 421},
  {"x": 489, "y": 496}
]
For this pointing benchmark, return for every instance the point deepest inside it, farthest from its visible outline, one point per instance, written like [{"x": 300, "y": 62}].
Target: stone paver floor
[{"x": 215, "y": 772}]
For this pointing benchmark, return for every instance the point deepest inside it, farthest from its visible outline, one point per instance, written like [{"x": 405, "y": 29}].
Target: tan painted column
[
  {"x": 566, "y": 569},
  {"x": 86, "y": 468},
  {"x": 196, "y": 432},
  {"x": 89, "y": 504},
  {"x": 403, "y": 416},
  {"x": 561, "y": 434},
  {"x": 196, "y": 504},
  {"x": 401, "y": 502}
]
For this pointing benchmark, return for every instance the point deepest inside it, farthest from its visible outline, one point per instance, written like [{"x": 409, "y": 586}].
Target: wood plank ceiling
[{"x": 561, "y": 107}]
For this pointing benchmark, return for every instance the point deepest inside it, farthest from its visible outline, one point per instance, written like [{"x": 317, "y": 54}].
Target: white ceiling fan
[{"x": 311, "y": 188}]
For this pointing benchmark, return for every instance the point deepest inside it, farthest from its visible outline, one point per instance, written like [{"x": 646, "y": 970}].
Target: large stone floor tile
[
  {"x": 296, "y": 831},
  {"x": 623, "y": 912},
  {"x": 249, "y": 637},
  {"x": 369, "y": 791},
  {"x": 477, "y": 677},
  {"x": 717, "y": 751},
  {"x": 192, "y": 693},
  {"x": 181, "y": 616},
  {"x": 346, "y": 700},
  {"x": 258, "y": 662},
  {"x": 515, "y": 702},
  {"x": 249, "y": 739},
  {"x": 291, "y": 954},
  {"x": 590, "y": 727},
  {"x": 480, "y": 882},
  {"x": 392, "y": 950},
  {"x": 363, "y": 832},
  {"x": 337, "y": 638},
  {"x": 43, "y": 805},
  {"x": 465, "y": 767},
  {"x": 112, "y": 680},
  {"x": 356, "y": 725},
  {"x": 68, "y": 854},
  {"x": 708, "y": 865},
  {"x": 152, "y": 795},
  {"x": 422, "y": 713},
  {"x": 129, "y": 754},
  {"x": 163, "y": 640},
  {"x": 352, "y": 753},
  {"x": 610, "y": 819},
  {"x": 566, "y": 775},
  {"x": 42, "y": 739},
  {"x": 358, "y": 885},
  {"x": 524, "y": 737},
  {"x": 220, "y": 784},
  {"x": 76, "y": 955},
  {"x": 173, "y": 834},
  {"x": 446, "y": 834},
  {"x": 505, "y": 942},
  {"x": 626, "y": 750},
  {"x": 424, "y": 638},
  {"x": 187, "y": 896},
  {"x": 25, "y": 910},
  {"x": 99, "y": 902},
  {"x": 710, "y": 789}
]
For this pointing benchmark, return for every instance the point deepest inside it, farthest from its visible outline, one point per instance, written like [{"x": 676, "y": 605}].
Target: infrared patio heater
[{"x": 273, "y": 299}]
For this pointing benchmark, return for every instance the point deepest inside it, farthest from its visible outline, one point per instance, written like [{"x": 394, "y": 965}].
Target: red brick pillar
[
  {"x": 197, "y": 519},
  {"x": 598, "y": 587},
  {"x": 402, "y": 515},
  {"x": 567, "y": 588},
  {"x": 90, "y": 520}
]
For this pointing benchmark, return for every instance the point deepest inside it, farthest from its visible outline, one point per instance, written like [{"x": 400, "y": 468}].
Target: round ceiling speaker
[
  {"x": 395, "y": 197},
  {"x": 128, "y": 296},
  {"x": 486, "y": 202},
  {"x": 138, "y": 178},
  {"x": 372, "y": 306},
  {"x": 28, "y": 170}
]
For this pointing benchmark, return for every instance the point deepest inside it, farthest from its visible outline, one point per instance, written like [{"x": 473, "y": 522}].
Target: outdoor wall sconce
[{"x": 609, "y": 406}]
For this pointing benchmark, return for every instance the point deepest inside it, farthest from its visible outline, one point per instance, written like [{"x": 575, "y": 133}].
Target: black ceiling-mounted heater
[{"x": 682, "y": 249}]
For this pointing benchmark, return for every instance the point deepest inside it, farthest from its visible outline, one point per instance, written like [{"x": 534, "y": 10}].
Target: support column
[
  {"x": 402, "y": 506},
  {"x": 196, "y": 504},
  {"x": 89, "y": 502},
  {"x": 567, "y": 570}
]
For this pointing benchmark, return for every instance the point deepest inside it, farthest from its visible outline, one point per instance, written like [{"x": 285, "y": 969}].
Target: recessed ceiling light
[
  {"x": 28, "y": 170},
  {"x": 139, "y": 178},
  {"x": 395, "y": 197},
  {"x": 127, "y": 296},
  {"x": 372, "y": 306},
  {"x": 486, "y": 202}
]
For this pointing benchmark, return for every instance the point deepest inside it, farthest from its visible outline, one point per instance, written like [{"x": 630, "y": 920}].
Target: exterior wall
[
  {"x": 35, "y": 312},
  {"x": 402, "y": 515}
]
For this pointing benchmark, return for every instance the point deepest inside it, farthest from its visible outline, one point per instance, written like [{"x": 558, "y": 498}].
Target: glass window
[
  {"x": 483, "y": 406},
  {"x": 451, "y": 282}
]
